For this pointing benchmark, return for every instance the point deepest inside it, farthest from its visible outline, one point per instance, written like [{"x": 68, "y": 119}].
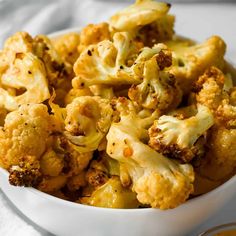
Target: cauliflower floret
[
  {"x": 22, "y": 76},
  {"x": 97, "y": 174},
  {"x": 74, "y": 93},
  {"x": 209, "y": 88},
  {"x": 51, "y": 163},
  {"x": 56, "y": 68},
  {"x": 157, "y": 180},
  {"x": 52, "y": 184},
  {"x": 158, "y": 31},
  {"x": 142, "y": 12},
  {"x": 219, "y": 164},
  {"x": 215, "y": 90},
  {"x": 25, "y": 132},
  {"x": 87, "y": 122},
  {"x": 93, "y": 34},
  {"x": 26, "y": 173},
  {"x": 112, "y": 195},
  {"x": 178, "y": 138},
  {"x": 66, "y": 46},
  {"x": 158, "y": 89},
  {"x": 76, "y": 182},
  {"x": 77, "y": 162},
  {"x": 106, "y": 63},
  {"x": 74, "y": 162},
  {"x": 189, "y": 62}
]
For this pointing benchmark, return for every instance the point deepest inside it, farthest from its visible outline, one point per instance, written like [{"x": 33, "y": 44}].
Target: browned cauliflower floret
[
  {"x": 178, "y": 138},
  {"x": 51, "y": 163},
  {"x": 190, "y": 61},
  {"x": 147, "y": 20},
  {"x": 67, "y": 46},
  {"x": 158, "y": 31},
  {"x": 97, "y": 174},
  {"x": 220, "y": 162},
  {"x": 74, "y": 162},
  {"x": 112, "y": 195},
  {"x": 87, "y": 122},
  {"x": 77, "y": 162},
  {"x": 56, "y": 68},
  {"x": 26, "y": 173},
  {"x": 22, "y": 74},
  {"x": 213, "y": 89},
  {"x": 209, "y": 88},
  {"x": 93, "y": 34},
  {"x": 52, "y": 184},
  {"x": 76, "y": 182},
  {"x": 24, "y": 133},
  {"x": 74, "y": 93},
  {"x": 158, "y": 89},
  {"x": 108, "y": 63}
]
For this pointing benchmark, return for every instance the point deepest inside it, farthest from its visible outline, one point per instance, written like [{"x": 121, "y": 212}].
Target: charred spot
[
  {"x": 168, "y": 4},
  {"x": 173, "y": 151},
  {"x": 96, "y": 155},
  {"x": 66, "y": 160},
  {"x": 25, "y": 177},
  {"x": 121, "y": 67},
  {"x": 89, "y": 53},
  {"x": 164, "y": 59},
  {"x": 58, "y": 66},
  {"x": 181, "y": 63},
  {"x": 19, "y": 55},
  {"x": 71, "y": 195},
  {"x": 20, "y": 91},
  {"x": 96, "y": 177},
  {"x": 29, "y": 72}
]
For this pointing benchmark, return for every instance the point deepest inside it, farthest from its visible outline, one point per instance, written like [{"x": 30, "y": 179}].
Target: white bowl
[{"x": 65, "y": 218}]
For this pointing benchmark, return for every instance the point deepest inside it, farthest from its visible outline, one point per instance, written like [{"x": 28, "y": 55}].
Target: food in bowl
[{"x": 124, "y": 114}]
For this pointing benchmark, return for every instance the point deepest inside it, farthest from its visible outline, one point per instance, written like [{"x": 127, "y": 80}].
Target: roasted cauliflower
[
  {"x": 66, "y": 46},
  {"x": 87, "y": 122},
  {"x": 157, "y": 180},
  {"x": 93, "y": 34},
  {"x": 22, "y": 74},
  {"x": 123, "y": 114},
  {"x": 215, "y": 90},
  {"x": 158, "y": 89},
  {"x": 178, "y": 138},
  {"x": 190, "y": 61},
  {"x": 24, "y": 133},
  {"x": 106, "y": 63},
  {"x": 112, "y": 195}
]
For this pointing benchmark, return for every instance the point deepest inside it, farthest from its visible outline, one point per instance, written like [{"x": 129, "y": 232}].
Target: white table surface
[{"x": 197, "y": 21}]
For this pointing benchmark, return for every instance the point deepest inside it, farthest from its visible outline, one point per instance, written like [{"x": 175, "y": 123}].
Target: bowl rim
[{"x": 79, "y": 205}]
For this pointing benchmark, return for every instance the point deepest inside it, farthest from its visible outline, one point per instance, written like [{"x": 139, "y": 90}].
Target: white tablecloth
[{"x": 197, "y": 21}]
